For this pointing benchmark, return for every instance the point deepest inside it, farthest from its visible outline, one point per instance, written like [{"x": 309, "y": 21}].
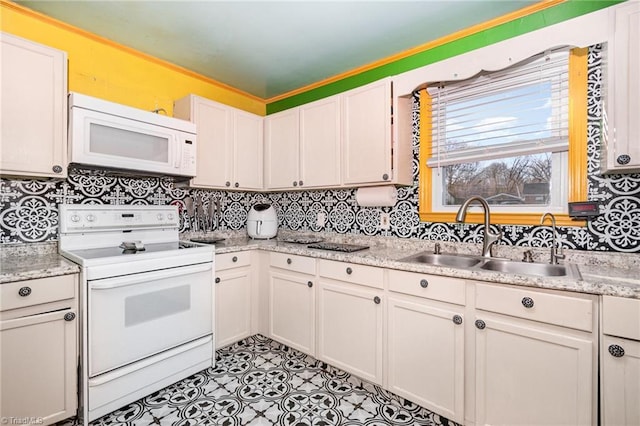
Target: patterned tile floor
[{"x": 258, "y": 381}]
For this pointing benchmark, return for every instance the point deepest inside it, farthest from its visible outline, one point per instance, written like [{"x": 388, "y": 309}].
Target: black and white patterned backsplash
[{"x": 29, "y": 207}]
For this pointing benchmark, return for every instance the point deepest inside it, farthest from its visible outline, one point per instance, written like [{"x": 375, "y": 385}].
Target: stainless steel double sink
[{"x": 468, "y": 262}]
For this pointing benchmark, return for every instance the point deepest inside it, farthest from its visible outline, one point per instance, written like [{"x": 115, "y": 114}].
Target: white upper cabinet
[
  {"x": 320, "y": 143},
  {"x": 302, "y": 146},
  {"x": 622, "y": 141},
  {"x": 282, "y": 142},
  {"x": 366, "y": 133},
  {"x": 33, "y": 108},
  {"x": 229, "y": 144}
]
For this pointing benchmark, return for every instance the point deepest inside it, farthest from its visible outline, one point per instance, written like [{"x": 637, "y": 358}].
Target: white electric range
[{"x": 146, "y": 301}]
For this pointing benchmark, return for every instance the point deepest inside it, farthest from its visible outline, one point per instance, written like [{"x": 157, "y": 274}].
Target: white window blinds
[{"x": 520, "y": 110}]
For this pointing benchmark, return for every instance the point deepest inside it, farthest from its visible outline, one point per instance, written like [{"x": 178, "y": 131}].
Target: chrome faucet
[
  {"x": 489, "y": 238},
  {"x": 556, "y": 253}
]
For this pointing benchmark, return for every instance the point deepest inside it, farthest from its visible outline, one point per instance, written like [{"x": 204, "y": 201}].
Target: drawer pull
[
  {"x": 424, "y": 283},
  {"x": 24, "y": 291},
  {"x": 349, "y": 271},
  {"x": 480, "y": 325},
  {"x": 623, "y": 159},
  {"x": 527, "y": 302},
  {"x": 234, "y": 259},
  {"x": 457, "y": 319},
  {"x": 309, "y": 284},
  {"x": 616, "y": 351},
  {"x": 70, "y": 316},
  {"x": 376, "y": 300},
  {"x": 289, "y": 261},
  {"x": 217, "y": 280}
]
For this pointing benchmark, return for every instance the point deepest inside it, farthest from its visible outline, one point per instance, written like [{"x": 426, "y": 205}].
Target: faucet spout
[
  {"x": 489, "y": 237},
  {"x": 556, "y": 250}
]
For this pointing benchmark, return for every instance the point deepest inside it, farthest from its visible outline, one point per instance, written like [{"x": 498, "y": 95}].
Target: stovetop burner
[{"x": 347, "y": 248}]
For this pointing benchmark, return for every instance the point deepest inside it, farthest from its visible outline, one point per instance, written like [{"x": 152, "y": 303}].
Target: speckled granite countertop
[
  {"x": 615, "y": 274},
  {"x": 29, "y": 261}
]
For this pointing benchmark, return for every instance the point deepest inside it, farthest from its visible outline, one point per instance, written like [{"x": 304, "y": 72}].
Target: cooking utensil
[
  {"x": 188, "y": 204},
  {"x": 212, "y": 208}
]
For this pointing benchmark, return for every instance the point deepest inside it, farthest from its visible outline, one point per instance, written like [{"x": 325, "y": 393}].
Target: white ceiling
[{"x": 269, "y": 48}]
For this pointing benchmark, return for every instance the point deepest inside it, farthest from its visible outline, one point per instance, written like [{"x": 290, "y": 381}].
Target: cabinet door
[
  {"x": 350, "y": 329},
  {"x": 292, "y": 310},
  {"x": 532, "y": 374},
  {"x": 38, "y": 367},
  {"x": 620, "y": 381},
  {"x": 320, "y": 143},
  {"x": 248, "y": 159},
  {"x": 233, "y": 306},
  {"x": 281, "y": 149},
  {"x": 33, "y": 139},
  {"x": 215, "y": 153},
  {"x": 425, "y": 348},
  {"x": 623, "y": 148},
  {"x": 367, "y": 133}
]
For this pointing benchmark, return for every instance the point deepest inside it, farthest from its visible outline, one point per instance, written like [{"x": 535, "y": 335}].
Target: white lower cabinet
[
  {"x": 426, "y": 355},
  {"x": 350, "y": 328},
  {"x": 38, "y": 350},
  {"x": 426, "y": 341},
  {"x": 537, "y": 365},
  {"x": 233, "y": 284},
  {"x": 620, "y": 361},
  {"x": 292, "y": 301}
]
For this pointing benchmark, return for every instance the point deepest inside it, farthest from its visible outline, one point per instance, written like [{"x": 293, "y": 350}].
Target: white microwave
[{"x": 109, "y": 135}]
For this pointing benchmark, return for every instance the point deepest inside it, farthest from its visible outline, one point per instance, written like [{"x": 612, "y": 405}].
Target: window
[{"x": 514, "y": 137}]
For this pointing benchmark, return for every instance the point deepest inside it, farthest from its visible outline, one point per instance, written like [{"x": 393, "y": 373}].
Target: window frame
[{"x": 576, "y": 187}]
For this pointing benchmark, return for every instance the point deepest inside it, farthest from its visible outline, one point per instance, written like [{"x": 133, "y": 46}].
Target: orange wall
[{"x": 107, "y": 70}]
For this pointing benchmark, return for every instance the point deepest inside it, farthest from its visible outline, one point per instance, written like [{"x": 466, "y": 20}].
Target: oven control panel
[{"x": 84, "y": 218}]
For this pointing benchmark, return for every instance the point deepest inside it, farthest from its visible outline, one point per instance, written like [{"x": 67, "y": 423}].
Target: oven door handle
[{"x": 109, "y": 283}]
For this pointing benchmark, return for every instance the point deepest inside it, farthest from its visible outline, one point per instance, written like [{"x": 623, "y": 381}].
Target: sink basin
[
  {"x": 567, "y": 270},
  {"x": 538, "y": 269},
  {"x": 452, "y": 260}
]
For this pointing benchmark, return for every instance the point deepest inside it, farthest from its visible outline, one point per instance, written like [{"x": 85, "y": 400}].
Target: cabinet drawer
[
  {"x": 551, "y": 308},
  {"x": 434, "y": 287},
  {"x": 21, "y": 294},
  {"x": 357, "y": 274},
  {"x": 232, "y": 260},
  {"x": 621, "y": 317},
  {"x": 305, "y": 265}
]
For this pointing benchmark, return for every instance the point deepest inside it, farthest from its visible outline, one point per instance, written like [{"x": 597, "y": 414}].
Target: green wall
[{"x": 553, "y": 15}]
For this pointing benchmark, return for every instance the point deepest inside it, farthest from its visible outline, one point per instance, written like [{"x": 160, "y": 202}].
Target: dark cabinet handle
[
  {"x": 234, "y": 259},
  {"x": 300, "y": 183},
  {"x": 236, "y": 184},
  {"x": 57, "y": 169},
  {"x": 527, "y": 302},
  {"x": 217, "y": 280},
  {"x": 623, "y": 159},
  {"x": 424, "y": 283},
  {"x": 385, "y": 176},
  {"x": 289, "y": 261},
  {"x": 457, "y": 319},
  {"x": 309, "y": 284},
  {"x": 70, "y": 316},
  {"x": 376, "y": 300},
  {"x": 227, "y": 183},
  {"x": 349, "y": 271},
  {"x": 616, "y": 351},
  {"x": 480, "y": 325},
  {"x": 24, "y": 291},
  {"x": 295, "y": 183}
]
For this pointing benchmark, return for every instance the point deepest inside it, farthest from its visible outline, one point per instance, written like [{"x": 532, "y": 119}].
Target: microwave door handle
[
  {"x": 178, "y": 157},
  {"x": 111, "y": 283},
  {"x": 258, "y": 227}
]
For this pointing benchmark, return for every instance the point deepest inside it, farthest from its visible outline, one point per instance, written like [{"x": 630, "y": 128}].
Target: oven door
[{"x": 135, "y": 316}]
